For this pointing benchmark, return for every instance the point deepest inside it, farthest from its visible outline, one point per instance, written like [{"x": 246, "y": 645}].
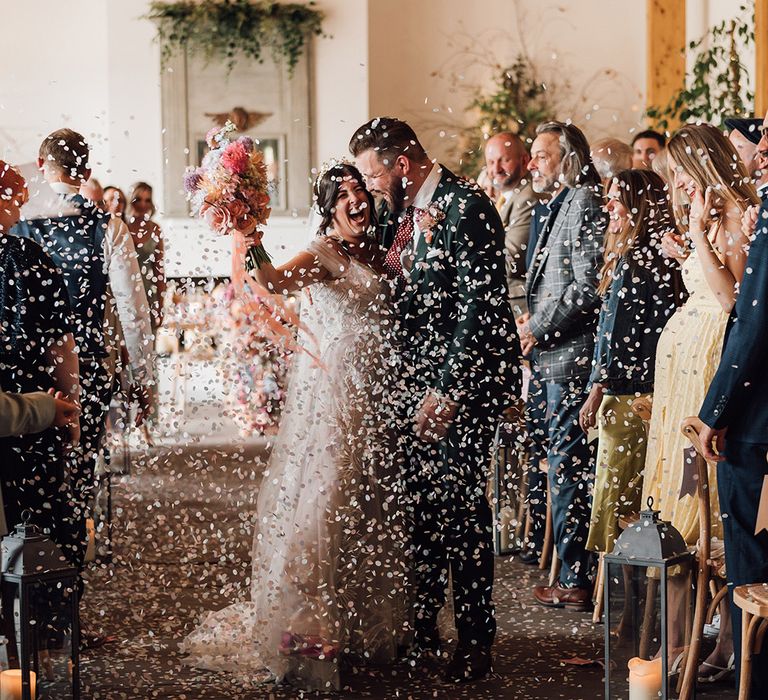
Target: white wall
[
  {"x": 426, "y": 67},
  {"x": 92, "y": 65},
  {"x": 53, "y": 74}
]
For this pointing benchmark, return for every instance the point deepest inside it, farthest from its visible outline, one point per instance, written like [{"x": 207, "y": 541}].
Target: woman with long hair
[
  {"x": 148, "y": 241},
  {"x": 711, "y": 191},
  {"x": 328, "y": 578},
  {"x": 640, "y": 289}
]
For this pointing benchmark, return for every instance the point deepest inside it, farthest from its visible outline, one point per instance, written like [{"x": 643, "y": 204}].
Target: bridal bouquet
[{"x": 229, "y": 190}]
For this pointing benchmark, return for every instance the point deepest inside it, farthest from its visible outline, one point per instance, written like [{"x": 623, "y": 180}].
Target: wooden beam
[
  {"x": 761, "y": 57},
  {"x": 665, "y": 74}
]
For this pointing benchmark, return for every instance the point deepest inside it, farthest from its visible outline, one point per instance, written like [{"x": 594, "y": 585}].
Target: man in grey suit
[
  {"x": 506, "y": 163},
  {"x": 563, "y": 309}
]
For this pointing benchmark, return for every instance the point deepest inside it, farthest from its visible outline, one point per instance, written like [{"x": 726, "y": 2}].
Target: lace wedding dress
[{"x": 328, "y": 577}]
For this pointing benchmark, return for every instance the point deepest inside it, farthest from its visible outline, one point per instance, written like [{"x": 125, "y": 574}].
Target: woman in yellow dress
[{"x": 706, "y": 172}]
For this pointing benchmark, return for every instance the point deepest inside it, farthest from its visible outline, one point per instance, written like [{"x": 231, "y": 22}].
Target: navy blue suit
[{"x": 737, "y": 400}]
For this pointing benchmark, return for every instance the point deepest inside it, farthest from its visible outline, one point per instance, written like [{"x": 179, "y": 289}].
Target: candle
[
  {"x": 10, "y": 684},
  {"x": 644, "y": 679}
]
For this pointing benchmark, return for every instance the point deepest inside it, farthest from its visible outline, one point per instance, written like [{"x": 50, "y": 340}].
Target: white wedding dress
[{"x": 328, "y": 541}]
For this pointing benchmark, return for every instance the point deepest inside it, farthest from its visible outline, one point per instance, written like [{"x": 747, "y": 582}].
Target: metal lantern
[
  {"x": 40, "y": 611},
  {"x": 647, "y": 576}
]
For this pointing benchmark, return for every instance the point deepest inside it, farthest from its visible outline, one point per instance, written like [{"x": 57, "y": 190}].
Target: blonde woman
[{"x": 704, "y": 170}]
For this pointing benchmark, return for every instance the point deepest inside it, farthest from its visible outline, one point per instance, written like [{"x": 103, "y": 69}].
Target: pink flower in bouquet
[
  {"x": 218, "y": 217},
  {"x": 235, "y": 158}
]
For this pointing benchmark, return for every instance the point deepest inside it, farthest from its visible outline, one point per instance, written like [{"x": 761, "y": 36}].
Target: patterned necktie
[
  {"x": 392, "y": 263},
  {"x": 500, "y": 202}
]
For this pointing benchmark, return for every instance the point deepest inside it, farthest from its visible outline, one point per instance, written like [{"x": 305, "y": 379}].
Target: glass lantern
[
  {"x": 41, "y": 618},
  {"x": 648, "y": 610}
]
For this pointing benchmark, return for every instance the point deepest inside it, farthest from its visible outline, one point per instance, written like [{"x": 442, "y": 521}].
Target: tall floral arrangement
[{"x": 230, "y": 189}]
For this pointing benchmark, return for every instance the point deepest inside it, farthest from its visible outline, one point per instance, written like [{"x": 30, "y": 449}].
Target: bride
[{"x": 328, "y": 575}]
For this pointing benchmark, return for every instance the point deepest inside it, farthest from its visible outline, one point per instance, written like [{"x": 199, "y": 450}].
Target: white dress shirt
[{"x": 126, "y": 312}]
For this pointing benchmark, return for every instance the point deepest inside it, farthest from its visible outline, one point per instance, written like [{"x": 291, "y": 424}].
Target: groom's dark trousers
[{"x": 452, "y": 527}]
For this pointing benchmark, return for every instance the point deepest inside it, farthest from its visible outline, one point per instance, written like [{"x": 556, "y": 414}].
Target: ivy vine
[
  {"x": 231, "y": 29},
  {"x": 718, "y": 84}
]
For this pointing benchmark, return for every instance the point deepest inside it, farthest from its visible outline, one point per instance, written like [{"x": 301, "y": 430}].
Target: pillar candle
[
  {"x": 10, "y": 684},
  {"x": 644, "y": 679}
]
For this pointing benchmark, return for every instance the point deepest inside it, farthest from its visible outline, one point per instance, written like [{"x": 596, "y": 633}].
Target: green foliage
[
  {"x": 518, "y": 103},
  {"x": 718, "y": 85},
  {"x": 229, "y": 29}
]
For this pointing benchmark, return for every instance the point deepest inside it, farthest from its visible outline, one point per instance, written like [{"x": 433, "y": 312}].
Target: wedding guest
[
  {"x": 114, "y": 200},
  {"x": 744, "y": 134},
  {"x": 735, "y": 436},
  {"x": 37, "y": 354},
  {"x": 719, "y": 190},
  {"x": 640, "y": 290},
  {"x": 749, "y": 220},
  {"x": 33, "y": 412},
  {"x": 148, "y": 242},
  {"x": 610, "y": 157},
  {"x": 563, "y": 308},
  {"x": 95, "y": 254},
  {"x": 92, "y": 190},
  {"x": 761, "y": 160},
  {"x": 536, "y": 423},
  {"x": 505, "y": 163},
  {"x": 646, "y": 145}
]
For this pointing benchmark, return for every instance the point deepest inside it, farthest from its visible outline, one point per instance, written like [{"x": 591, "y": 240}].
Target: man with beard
[
  {"x": 505, "y": 162},
  {"x": 559, "y": 329},
  {"x": 445, "y": 244}
]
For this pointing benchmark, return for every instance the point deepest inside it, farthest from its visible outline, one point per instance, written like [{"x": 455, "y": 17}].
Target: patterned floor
[{"x": 182, "y": 542}]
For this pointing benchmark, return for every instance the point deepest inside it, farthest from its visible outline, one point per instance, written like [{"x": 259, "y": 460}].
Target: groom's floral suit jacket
[{"x": 454, "y": 307}]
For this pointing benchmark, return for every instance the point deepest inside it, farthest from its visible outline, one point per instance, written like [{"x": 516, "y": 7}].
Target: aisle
[{"x": 182, "y": 543}]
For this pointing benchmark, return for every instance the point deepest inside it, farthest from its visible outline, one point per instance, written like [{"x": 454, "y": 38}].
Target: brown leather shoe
[{"x": 577, "y": 599}]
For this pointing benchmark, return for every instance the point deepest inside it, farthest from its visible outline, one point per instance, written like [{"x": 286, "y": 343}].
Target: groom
[{"x": 445, "y": 246}]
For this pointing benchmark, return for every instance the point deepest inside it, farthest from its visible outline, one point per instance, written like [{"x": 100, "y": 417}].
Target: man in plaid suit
[{"x": 563, "y": 308}]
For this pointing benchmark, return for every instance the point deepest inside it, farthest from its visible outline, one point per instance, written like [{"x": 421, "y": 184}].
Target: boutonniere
[{"x": 430, "y": 218}]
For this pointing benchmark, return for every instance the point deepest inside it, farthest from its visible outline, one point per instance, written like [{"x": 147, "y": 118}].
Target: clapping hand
[
  {"x": 701, "y": 212},
  {"x": 673, "y": 246},
  {"x": 434, "y": 417},
  {"x": 527, "y": 339},
  {"x": 749, "y": 220}
]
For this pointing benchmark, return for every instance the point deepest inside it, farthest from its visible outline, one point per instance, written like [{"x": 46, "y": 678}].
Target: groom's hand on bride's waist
[{"x": 434, "y": 417}]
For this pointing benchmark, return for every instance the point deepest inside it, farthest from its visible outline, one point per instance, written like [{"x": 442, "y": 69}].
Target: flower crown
[{"x": 330, "y": 164}]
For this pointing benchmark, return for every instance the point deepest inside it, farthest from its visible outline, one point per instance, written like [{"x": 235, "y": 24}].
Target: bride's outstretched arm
[{"x": 299, "y": 272}]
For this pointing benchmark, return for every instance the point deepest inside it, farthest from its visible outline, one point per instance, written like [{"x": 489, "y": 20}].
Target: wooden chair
[
  {"x": 710, "y": 572},
  {"x": 508, "y": 485},
  {"x": 548, "y": 547},
  {"x": 753, "y": 601}
]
